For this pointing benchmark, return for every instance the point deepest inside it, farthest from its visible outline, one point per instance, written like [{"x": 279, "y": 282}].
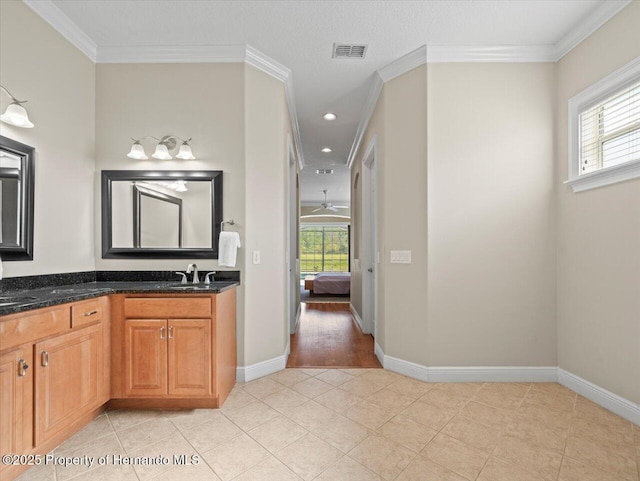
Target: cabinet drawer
[
  {"x": 86, "y": 312},
  {"x": 163, "y": 308},
  {"x": 19, "y": 330}
]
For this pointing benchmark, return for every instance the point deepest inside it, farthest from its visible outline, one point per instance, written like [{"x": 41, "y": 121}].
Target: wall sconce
[
  {"x": 16, "y": 114},
  {"x": 164, "y": 145}
]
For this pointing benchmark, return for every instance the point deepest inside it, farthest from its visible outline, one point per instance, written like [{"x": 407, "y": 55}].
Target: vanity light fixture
[
  {"x": 326, "y": 150},
  {"x": 16, "y": 114},
  {"x": 163, "y": 146},
  {"x": 329, "y": 116}
]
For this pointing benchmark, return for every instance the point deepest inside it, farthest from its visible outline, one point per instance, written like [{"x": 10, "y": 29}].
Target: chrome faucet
[{"x": 194, "y": 268}]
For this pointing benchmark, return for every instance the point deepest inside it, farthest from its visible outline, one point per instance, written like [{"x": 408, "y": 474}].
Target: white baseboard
[
  {"x": 411, "y": 369},
  {"x": 377, "y": 350},
  {"x": 493, "y": 374},
  {"x": 608, "y": 400},
  {"x": 356, "y": 316},
  {"x": 261, "y": 369}
]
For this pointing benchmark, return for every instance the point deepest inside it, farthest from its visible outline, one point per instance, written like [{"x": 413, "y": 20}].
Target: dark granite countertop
[{"x": 25, "y": 300}]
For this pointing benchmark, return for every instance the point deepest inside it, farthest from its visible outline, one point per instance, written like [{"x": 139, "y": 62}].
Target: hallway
[{"x": 328, "y": 336}]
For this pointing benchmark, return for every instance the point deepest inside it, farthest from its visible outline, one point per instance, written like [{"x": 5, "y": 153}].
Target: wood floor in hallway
[{"x": 328, "y": 336}]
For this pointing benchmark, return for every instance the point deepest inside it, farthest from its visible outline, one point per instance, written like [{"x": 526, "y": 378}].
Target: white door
[
  {"x": 369, "y": 244},
  {"x": 292, "y": 242}
]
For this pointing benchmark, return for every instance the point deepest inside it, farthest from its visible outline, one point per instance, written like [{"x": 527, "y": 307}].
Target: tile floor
[{"x": 365, "y": 425}]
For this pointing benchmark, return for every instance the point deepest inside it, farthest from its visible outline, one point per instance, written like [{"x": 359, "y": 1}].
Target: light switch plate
[
  {"x": 256, "y": 257},
  {"x": 400, "y": 257}
]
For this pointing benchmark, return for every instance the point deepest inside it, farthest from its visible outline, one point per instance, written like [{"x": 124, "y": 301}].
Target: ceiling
[{"x": 300, "y": 35}]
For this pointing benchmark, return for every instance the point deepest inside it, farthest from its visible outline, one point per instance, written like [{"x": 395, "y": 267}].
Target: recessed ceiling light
[
  {"x": 329, "y": 116},
  {"x": 326, "y": 150}
]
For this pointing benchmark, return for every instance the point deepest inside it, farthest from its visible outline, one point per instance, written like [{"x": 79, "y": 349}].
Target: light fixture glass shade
[
  {"x": 161, "y": 153},
  {"x": 16, "y": 115},
  {"x": 137, "y": 152},
  {"x": 181, "y": 185},
  {"x": 185, "y": 152}
]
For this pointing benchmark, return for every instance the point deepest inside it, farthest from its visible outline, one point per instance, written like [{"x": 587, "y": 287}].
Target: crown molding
[
  {"x": 51, "y": 14},
  {"x": 404, "y": 64},
  {"x": 172, "y": 54},
  {"x": 602, "y": 14},
  {"x": 513, "y": 54}
]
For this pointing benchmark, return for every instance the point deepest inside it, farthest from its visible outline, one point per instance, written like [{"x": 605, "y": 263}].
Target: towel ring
[{"x": 230, "y": 222}]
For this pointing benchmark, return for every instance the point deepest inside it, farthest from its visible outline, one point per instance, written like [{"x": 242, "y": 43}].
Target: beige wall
[
  {"x": 59, "y": 83},
  {"x": 491, "y": 292},
  {"x": 599, "y": 235},
  {"x": 265, "y": 198}
]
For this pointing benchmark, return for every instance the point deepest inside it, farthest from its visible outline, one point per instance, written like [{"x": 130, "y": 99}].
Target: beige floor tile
[
  {"x": 168, "y": 448},
  {"x": 348, "y": 470},
  {"x": 341, "y": 433},
  {"x": 368, "y": 414},
  {"x": 262, "y": 387},
  {"x": 269, "y": 470},
  {"x": 235, "y": 457},
  {"x": 277, "y": 433},
  {"x": 43, "y": 472},
  {"x": 590, "y": 410},
  {"x": 211, "y": 434},
  {"x": 284, "y": 400},
  {"x": 594, "y": 453},
  {"x": 310, "y": 414},
  {"x": 251, "y": 415},
  {"x": 100, "y": 426},
  {"x": 610, "y": 436},
  {"x": 123, "y": 419},
  {"x": 107, "y": 473},
  {"x": 382, "y": 456},
  {"x": 106, "y": 445},
  {"x": 429, "y": 415},
  {"x": 381, "y": 377},
  {"x": 194, "y": 472},
  {"x": 544, "y": 415},
  {"x": 313, "y": 371},
  {"x": 308, "y": 456},
  {"x": 558, "y": 399},
  {"x": 289, "y": 377},
  {"x": 146, "y": 433},
  {"x": 361, "y": 387},
  {"x": 237, "y": 399},
  {"x": 487, "y": 415},
  {"x": 407, "y": 433},
  {"x": 443, "y": 399},
  {"x": 465, "y": 390},
  {"x": 185, "y": 419},
  {"x": 456, "y": 456},
  {"x": 422, "y": 469},
  {"x": 356, "y": 371},
  {"x": 312, "y": 387},
  {"x": 537, "y": 434},
  {"x": 499, "y": 470},
  {"x": 532, "y": 458},
  {"x": 502, "y": 395},
  {"x": 410, "y": 387},
  {"x": 391, "y": 401},
  {"x": 473, "y": 433},
  {"x": 337, "y": 400},
  {"x": 335, "y": 377},
  {"x": 573, "y": 470}
]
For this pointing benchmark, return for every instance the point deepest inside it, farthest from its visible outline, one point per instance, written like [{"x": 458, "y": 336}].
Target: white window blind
[{"x": 610, "y": 131}]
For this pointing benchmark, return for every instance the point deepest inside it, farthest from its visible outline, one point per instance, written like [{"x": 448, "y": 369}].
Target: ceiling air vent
[
  {"x": 324, "y": 171},
  {"x": 345, "y": 50}
]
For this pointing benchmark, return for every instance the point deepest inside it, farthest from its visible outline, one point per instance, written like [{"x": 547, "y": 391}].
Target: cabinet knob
[
  {"x": 22, "y": 368},
  {"x": 162, "y": 333},
  {"x": 170, "y": 332},
  {"x": 44, "y": 358}
]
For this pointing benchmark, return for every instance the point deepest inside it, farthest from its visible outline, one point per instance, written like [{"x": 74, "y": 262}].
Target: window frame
[{"x": 596, "y": 93}]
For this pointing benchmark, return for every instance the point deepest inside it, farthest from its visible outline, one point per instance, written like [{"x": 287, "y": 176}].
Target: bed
[{"x": 337, "y": 283}]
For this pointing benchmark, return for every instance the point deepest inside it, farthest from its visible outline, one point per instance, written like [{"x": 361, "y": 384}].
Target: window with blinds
[{"x": 610, "y": 131}]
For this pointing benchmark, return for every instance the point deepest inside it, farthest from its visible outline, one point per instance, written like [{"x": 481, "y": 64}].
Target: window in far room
[{"x": 324, "y": 248}]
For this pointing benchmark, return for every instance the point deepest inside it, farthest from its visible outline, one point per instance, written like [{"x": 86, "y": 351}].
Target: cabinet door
[
  {"x": 189, "y": 357},
  {"x": 145, "y": 357},
  {"x": 68, "y": 380},
  {"x": 12, "y": 385}
]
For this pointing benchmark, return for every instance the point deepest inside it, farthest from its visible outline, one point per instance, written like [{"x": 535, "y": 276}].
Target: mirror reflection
[{"x": 10, "y": 193}]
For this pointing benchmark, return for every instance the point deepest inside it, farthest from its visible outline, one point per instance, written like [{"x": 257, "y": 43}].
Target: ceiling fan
[{"x": 328, "y": 205}]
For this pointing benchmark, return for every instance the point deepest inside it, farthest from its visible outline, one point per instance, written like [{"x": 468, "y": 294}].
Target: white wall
[
  {"x": 37, "y": 64},
  {"x": 599, "y": 234}
]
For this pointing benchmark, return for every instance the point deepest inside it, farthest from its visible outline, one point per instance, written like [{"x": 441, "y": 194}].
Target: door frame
[
  {"x": 293, "y": 275},
  {"x": 370, "y": 254}
]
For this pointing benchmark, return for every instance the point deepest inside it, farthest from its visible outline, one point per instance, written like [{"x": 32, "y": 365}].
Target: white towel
[{"x": 228, "y": 249}]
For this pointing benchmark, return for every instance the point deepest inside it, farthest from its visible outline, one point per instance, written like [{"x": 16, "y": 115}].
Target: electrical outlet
[
  {"x": 400, "y": 257},
  {"x": 256, "y": 257}
]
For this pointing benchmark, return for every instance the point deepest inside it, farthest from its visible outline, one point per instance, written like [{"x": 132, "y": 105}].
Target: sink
[
  {"x": 202, "y": 287},
  {"x": 11, "y": 301}
]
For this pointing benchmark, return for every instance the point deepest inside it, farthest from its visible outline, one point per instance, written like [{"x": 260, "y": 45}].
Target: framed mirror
[
  {"x": 161, "y": 214},
  {"x": 17, "y": 180}
]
